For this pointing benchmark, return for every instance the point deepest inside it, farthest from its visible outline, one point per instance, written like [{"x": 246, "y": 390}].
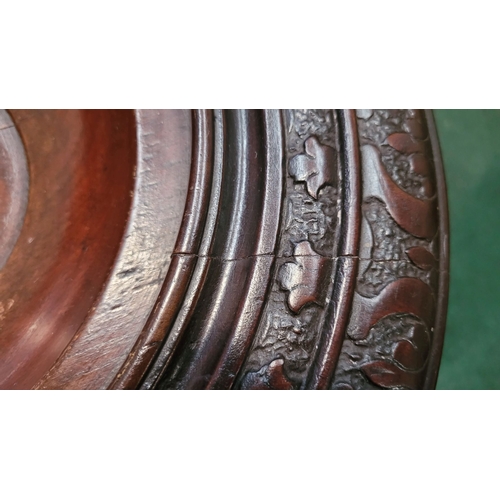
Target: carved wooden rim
[
  {"x": 337, "y": 314},
  {"x": 293, "y": 249},
  {"x": 238, "y": 244},
  {"x": 395, "y": 334},
  {"x": 444, "y": 258}
]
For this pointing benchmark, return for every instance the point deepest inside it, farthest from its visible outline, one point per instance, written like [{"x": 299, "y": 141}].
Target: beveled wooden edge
[
  {"x": 444, "y": 258},
  {"x": 182, "y": 261},
  {"x": 100, "y": 348}
]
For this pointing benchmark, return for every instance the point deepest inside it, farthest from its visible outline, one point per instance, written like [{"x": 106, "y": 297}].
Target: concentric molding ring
[{"x": 221, "y": 249}]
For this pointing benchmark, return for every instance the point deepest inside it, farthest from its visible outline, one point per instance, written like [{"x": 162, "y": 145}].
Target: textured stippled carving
[
  {"x": 394, "y": 355},
  {"x": 376, "y": 126},
  {"x": 393, "y": 312},
  {"x": 305, "y": 123},
  {"x": 295, "y": 249},
  {"x": 389, "y": 258},
  {"x": 294, "y": 310},
  {"x": 310, "y": 220}
]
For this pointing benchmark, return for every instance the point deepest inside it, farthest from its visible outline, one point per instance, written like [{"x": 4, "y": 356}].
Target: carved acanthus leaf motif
[
  {"x": 389, "y": 376},
  {"x": 408, "y": 359},
  {"x": 422, "y": 258},
  {"x": 416, "y": 126},
  {"x": 304, "y": 278},
  {"x": 394, "y": 309},
  {"x": 402, "y": 206},
  {"x": 411, "y": 353},
  {"x": 316, "y": 167},
  {"x": 406, "y": 143},
  {"x": 406, "y": 295}
]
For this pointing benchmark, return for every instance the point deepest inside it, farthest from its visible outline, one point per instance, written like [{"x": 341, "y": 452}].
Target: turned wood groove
[{"x": 221, "y": 249}]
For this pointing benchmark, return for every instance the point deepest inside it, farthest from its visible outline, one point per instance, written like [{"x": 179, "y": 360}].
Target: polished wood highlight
[{"x": 221, "y": 249}]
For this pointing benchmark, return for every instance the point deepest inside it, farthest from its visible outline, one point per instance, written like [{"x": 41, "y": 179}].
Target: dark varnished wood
[{"x": 219, "y": 249}]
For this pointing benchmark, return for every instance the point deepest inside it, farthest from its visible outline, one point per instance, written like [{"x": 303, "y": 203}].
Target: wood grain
[{"x": 221, "y": 249}]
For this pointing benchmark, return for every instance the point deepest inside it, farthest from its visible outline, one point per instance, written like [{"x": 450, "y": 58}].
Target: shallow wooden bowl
[{"x": 177, "y": 249}]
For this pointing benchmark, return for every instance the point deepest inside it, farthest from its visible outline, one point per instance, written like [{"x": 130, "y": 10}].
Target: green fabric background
[{"x": 470, "y": 144}]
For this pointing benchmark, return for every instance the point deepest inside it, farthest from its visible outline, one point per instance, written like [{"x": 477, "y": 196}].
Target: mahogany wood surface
[{"x": 221, "y": 249}]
